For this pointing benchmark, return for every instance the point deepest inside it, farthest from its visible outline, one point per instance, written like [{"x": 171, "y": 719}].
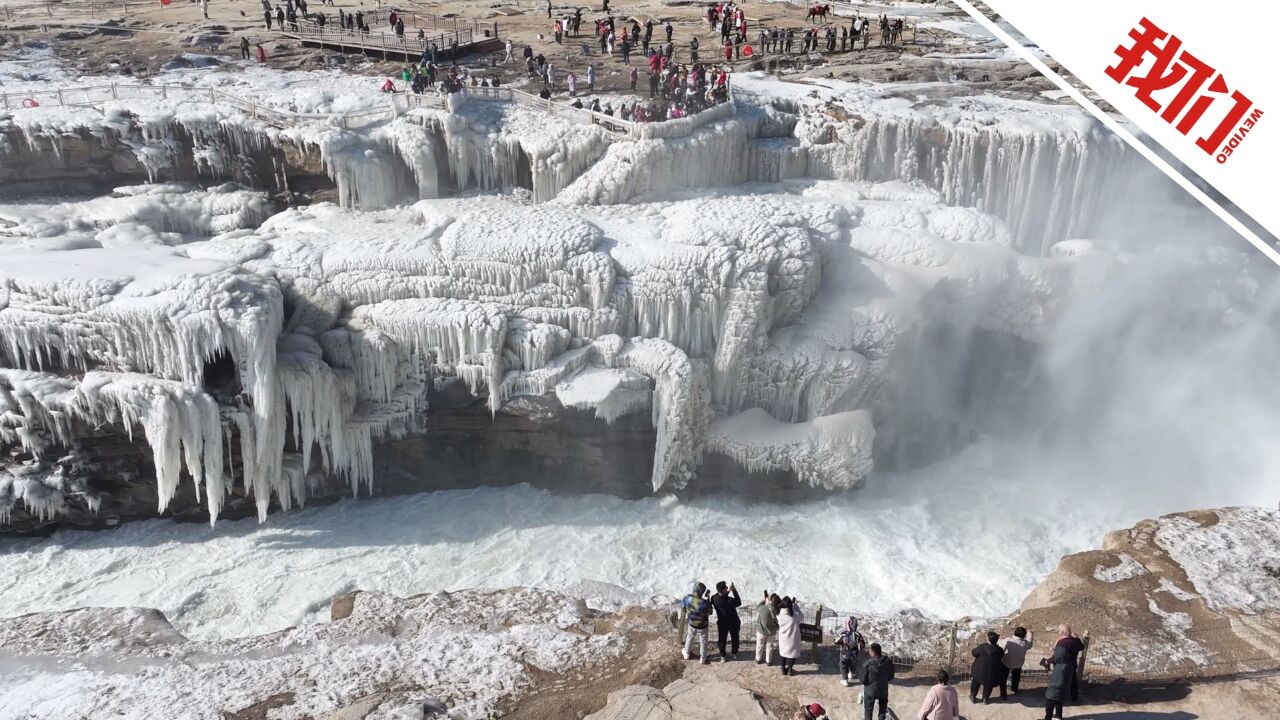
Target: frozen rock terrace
[{"x": 264, "y": 355}]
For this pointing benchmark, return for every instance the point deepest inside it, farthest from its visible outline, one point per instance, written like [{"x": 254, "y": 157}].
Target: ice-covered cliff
[
  {"x": 1049, "y": 172},
  {"x": 697, "y": 271},
  {"x": 761, "y": 326}
]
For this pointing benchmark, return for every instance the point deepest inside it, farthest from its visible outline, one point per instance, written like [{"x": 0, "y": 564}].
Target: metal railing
[
  {"x": 379, "y": 41},
  {"x": 428, "y": 21},
  {"x": 1231, "y": 648}
]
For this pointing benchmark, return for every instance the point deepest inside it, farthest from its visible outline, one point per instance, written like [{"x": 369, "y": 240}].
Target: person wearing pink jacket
[{"x": 942, "y": 702}]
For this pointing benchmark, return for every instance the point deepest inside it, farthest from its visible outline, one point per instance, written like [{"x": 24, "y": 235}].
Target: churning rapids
[
  {"x": 968, "y": 536},
  {"x": 887, "y": 297}
]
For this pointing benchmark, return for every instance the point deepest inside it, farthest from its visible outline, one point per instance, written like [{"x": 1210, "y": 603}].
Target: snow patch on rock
[
  {"x": 1127, "y": 569},
  {"x": 1232, "y": 563}
]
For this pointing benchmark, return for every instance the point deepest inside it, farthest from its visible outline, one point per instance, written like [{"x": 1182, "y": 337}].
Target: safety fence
[
  {"x": 435, "y": 23},
  {"x": 83, "y": 9},
  {"x": 383, "y": 42},
  {"x": 920, "y": 646},
  {"x": 398, "y": 103},
  {"x": 1230, "y": 648}
]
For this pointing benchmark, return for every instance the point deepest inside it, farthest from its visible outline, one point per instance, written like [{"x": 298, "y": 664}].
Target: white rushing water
[{"x": 970, "y": 535}]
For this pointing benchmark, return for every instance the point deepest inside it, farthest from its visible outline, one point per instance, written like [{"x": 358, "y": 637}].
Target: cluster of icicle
[
  {"x": 156, "y": 344},
  {"x": 1047, "y": 179},
  {"x": 182, "y": 425},
  {"x": 377, "y": 317},
  {"x": 706, "y": 312},
  {"x": 699, "y": 314}
]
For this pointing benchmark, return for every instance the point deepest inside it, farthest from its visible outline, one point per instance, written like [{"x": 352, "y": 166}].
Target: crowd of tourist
[
  {"x": 679, "y": 81},
  {"x": 779, "y": 624}
]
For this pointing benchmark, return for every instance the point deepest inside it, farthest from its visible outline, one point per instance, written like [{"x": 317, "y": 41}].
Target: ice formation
[
  {"x": 1049, "y": 172},
  {"x": 1126, "y": 570},
  {"x": 1231, "y": 560},
  {"x": 160, "y": 214},
  {"x": 761, "y": 324},
  {"x": 339, "y": 322}
]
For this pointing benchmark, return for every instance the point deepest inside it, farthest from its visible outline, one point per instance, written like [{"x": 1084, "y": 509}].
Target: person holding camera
[
  {"x": 728, "y": 625},
  {"x": 789, "y": 619},
  {"x": 1061, "y": 672},
  {"x": 767, "y": 628}
]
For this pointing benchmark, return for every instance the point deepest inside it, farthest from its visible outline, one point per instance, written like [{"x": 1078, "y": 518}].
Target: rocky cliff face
[{"x": 1193, "y": 593}]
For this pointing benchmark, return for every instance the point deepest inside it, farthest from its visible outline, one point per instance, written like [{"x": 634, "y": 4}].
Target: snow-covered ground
[
  {"x": 160, "y": 214},
  {"x": 469, "y": 650}
]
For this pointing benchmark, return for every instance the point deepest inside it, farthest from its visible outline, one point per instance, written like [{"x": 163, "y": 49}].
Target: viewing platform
[{"x": 450, "y": 36}]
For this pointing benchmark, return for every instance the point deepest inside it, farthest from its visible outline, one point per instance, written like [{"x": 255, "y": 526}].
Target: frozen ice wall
[
  {"x": 711, "y": 314},
  {"x": 1049, "y": 172},
  {"x": 420, "y": 154}
]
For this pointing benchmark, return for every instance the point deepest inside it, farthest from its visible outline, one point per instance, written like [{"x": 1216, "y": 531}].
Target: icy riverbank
[
  {"x": 243, "y": 578},
  {"x": 512, "y": 651}
]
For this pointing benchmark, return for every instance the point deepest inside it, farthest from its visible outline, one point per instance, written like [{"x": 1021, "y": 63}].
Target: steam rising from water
[{"x": 1161, "y": 384}]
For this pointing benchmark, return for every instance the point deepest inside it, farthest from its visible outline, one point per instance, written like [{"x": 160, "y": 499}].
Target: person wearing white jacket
[{"x": 789, "y": 619}]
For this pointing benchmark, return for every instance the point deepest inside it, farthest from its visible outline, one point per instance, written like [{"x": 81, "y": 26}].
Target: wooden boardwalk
[{"x": 416, "y": 41}]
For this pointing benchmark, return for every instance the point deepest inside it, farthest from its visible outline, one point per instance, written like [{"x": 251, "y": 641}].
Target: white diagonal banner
[{"x": 1201, "y": 87}]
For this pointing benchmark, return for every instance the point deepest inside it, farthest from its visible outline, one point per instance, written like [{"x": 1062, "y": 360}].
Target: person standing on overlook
[
  {"x": 728, "y": 625},
  {"x": 876, "y": 674},
  {"x": 1073, "y": 646},
  {"x": 1015, "y": 655},
  {"x": 1061, "y": 673},
  {"x": 789, "y": 619},
  {"x": 696, "y": 605},
  {"x": 988, "y": 669},
  {"x": 766, "y": 626}
]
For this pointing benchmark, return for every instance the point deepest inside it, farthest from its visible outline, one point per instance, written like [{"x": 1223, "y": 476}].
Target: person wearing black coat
[
  {"x": 728, "y": 625},
  {"x": 988, "y": 670},
  {"x": 1074, "y": 646},
  {"x": 876, "y": 673},
  {"x": 1060, "y": 676}
]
